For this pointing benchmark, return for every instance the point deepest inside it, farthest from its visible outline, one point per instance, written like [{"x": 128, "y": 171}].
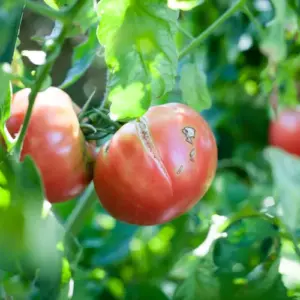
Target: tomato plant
[
  {"x": 284, "y": 131},
  {"x": 165, "y": 113},
  {"x": 55, "y": 142},
  {"x": 158, "y": 167}
]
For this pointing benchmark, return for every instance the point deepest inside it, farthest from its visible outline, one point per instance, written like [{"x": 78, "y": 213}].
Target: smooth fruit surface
[
  {"x": 284, "y": 132},
  {"x": 158, "y": 167},
  {"x": 54, "y": 141}
]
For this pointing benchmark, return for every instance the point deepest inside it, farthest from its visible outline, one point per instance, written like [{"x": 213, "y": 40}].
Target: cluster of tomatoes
[{"x": 153, "y": 169}]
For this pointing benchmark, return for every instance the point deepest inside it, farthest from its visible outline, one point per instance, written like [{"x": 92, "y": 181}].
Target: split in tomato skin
[
  {"x": 158, "y": 167},
  {"x": 55, "y": 142},
  {"x": 284, "y": 132}
]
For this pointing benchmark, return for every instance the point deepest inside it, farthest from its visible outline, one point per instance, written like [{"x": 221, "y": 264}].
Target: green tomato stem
[
  {"x": 45, "y": 11},
  {"x": 43, "y": 71},
  {"x": 256, "y": 23},
  {"x": 292, "y": 238},
  {"x": 185, "y": 32},
  {"x": 82, "y": 209},
  {"x": 86, "y": 106},
  {"x": 206, "y": 33},
  {"x": 107, "y": 118}
]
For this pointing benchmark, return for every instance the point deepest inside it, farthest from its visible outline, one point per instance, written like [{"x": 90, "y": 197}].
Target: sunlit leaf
[
  {"x": 17, "y": 68},
  {"x": 274, "y": 44},
  {"x": 28, "y": 238},
  {"x": 83, "y": 57},
  {"x": 140, "y": 52},
  {"x": 184, "y": 4},
  {"x": 19, "y": 181},
  {"x": 57, "y": 4},
  {"x": 86, "y": 18},
  {"x": 194, "y": 88},
  {"x": 4, "y": 95},
  {"x": 286, "y": 174}
]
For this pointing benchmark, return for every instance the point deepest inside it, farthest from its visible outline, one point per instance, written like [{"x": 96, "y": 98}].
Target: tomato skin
[
  {"x": 156, "y": 168},
  {"x": 284, "y": 132},
  {"x": 55, "y": 142}
]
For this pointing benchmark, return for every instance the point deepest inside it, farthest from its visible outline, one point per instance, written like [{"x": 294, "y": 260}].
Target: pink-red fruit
[{"x": 158, "y": 167}]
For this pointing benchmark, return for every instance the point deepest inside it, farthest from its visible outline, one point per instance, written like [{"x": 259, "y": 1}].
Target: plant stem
[
  {"x": 291, "y": 236},
  {"x": 43, "y": 71},
  {"x": 107, "y": 118},
  {"x": 104, "y": 103},
  {"x": 45, "y": 11},
  {"x": 73, "y": 10},
  {"x": 85, "y": 203},
  {"x": 256, "y": 23},
  {"x": 86, "y": 106},
  {"x": 184, "y": 32},
  {"x": 239, "y": 4}
]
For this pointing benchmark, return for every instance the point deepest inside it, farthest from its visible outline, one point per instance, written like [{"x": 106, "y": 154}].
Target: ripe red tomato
[
  {"x": 158, "y": 167},
  {"x": 284, "y": 132},
  {"x": 55, "y": 142}
]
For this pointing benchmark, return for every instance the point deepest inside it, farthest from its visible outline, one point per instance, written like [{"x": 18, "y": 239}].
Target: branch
[
  {"x": 78, "y": 215},
  {"x": 256, "y": 23},
  {"x": 43, "y": 71},
  {"x": 185, "y": 32},
  {"x": 45, "y": 11},
  {"x": 198, "y": 40}
]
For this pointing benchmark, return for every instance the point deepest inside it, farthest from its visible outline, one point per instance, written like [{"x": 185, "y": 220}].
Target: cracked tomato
[
  {"x": 157, "y": 167},
  {"x": 55, "y": 142}
]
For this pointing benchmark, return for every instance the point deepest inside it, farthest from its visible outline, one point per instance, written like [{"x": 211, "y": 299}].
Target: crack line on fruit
[{"x": 147, "y": 141}]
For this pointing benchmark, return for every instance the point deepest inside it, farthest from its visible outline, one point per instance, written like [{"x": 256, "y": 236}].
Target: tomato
[
  {"x": 284, "y": 132},
  {"x": 158, "y": 167},
  {"x": 55, "y": 142}
]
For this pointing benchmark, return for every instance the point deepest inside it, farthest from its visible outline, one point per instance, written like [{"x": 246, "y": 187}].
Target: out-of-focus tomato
[
  {"x": 55, "y": 142},
  {"x": 284, "y": 132},
  {"x": 158, "y": 167}
]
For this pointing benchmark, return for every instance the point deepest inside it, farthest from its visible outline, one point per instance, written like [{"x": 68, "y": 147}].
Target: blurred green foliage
[{"x": 239, "y": 241}]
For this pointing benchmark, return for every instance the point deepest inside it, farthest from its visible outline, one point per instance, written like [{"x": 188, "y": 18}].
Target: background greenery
[{"x": 241, "y": 241}]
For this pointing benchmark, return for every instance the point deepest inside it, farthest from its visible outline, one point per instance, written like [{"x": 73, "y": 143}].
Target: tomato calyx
[{"x": 96, "y": 124}]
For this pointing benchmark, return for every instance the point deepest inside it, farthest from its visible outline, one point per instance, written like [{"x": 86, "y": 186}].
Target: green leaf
[
  {"x": 268, "y": 286},
  {"x": 286, "y": 175},
  {"x": 181, "y": 237},
  {"x": 274, "y": 44},
  {"x": 201, "y": 283},
  {"x": 11, "y": 13},
  {"x": 85, "y": 19},
  {"x": 18, "y": 182},
  {"x": 140, "y": 52},
  {"x": 145, "y": 291},
  {"x": 231, "y": 192},
  {"x": 193, "y": 86},
  {"x": 28, "y": 237},
  {"x": 5, "y": 96},
  {"x": 244, "y": 248},
  {"x": 248, "y": 258},
  {"x": 57, "y": 4},
  {"x": 290, "y": 268},
  {"x": 115, "y": 246},
  {"x": 83, "y": 57},
  {"x": 184, "y": 4}
]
